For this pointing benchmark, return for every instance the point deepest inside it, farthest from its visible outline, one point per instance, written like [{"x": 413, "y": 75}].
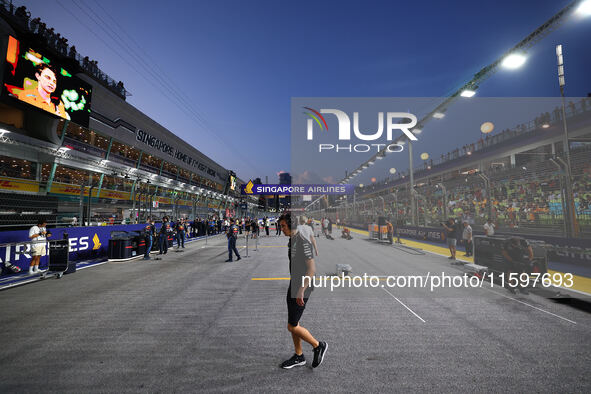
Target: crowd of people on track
[{"x": 179, "y": 229}]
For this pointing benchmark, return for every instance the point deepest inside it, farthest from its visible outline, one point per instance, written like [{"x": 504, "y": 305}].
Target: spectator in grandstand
[
  {"x": 307, "y": 232},
  {"x": 149, "y": 234},
  {"x": 489, "y": 228},
  {"x": 451, "y": 235},
  {"x": 41, "y": 95},
  {"x": 180, "y": 233},
  {"x": 467, "y": 238},
  {"x": 301, "y": 264},
  {"x": 38, "y": 235},
  {"x": 22, "y": 15}
]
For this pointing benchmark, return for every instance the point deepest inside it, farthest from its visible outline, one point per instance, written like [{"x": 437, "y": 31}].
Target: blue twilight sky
[{"x": 235, "y": 65}]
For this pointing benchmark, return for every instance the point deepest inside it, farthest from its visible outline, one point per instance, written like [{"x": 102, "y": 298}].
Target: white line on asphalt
[
  {"x": 531, "y": 306},
  {"x": 402, "y": 303},
  {"x": 91, "y": 265}
]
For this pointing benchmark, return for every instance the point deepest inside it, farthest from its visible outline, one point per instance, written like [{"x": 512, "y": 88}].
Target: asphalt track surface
[{"x": 192, "y": 323}]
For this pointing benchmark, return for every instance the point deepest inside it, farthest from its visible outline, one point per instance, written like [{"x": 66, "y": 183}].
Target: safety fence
[{"x": 526, "y": 198}]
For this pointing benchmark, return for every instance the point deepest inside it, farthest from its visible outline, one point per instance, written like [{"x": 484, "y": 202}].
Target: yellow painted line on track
[
  {"x": 580, "y": 283},
  {"x": 440, "y": 250}
]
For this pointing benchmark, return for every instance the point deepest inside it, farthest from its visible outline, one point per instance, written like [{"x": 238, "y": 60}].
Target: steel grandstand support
[
  {"x": 100, "y": 185},
  {"x": 54, "y": 166}
]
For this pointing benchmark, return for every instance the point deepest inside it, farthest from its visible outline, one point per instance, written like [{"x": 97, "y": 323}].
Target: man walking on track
[
  {"x": 231, "y": 232},
  {"x": 301, "y": 264}
]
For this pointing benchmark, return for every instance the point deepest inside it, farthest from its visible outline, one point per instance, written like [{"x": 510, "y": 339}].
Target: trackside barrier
[
  {"x": 53, "y": 257},
  {"x": 373, "y": 230},
  {"x": 573, "y": 251},
  {"x": 85, "y": 243}
]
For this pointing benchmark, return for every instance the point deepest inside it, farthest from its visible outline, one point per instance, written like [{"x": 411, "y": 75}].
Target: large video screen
[
  {"x": 232, "y": 182},
  {"x": 34, "y": 79}
]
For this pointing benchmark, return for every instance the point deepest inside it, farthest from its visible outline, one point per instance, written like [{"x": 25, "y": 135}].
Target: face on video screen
[{"x": 35, "y": 80}]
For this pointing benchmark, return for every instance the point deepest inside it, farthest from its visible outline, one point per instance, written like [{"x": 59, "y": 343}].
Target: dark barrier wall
[
  {"x": 561, "y": 250},
  {"x": 85, "y": 243}
]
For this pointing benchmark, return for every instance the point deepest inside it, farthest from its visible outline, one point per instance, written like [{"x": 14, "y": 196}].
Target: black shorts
[{"x": 294, "y": 311}]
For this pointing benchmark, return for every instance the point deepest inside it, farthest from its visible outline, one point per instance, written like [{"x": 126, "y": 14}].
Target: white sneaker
[{"x": 36, "y": 269}]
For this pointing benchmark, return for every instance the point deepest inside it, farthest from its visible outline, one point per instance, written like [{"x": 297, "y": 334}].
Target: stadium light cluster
[
  {"x": 512, "y": 59},
  {"x": 584, "y": 8}
]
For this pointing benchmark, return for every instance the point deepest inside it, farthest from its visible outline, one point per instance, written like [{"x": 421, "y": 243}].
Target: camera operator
[
  {"x": 38, "y": 234},
  {"x": 515, "y": 250},
  {"x": 451, "y": 236}
]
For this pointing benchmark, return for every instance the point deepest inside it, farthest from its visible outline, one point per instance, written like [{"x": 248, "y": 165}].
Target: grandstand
[
  {"x": 110, "y": 165},
  {"x": 514, "y": 177}
]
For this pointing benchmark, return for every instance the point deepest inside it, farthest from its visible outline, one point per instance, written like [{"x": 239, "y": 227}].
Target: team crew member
[
  {"x": 38, "y": 234},
  {"x": 390, "y": 232},
  {"x": 451, "y": 236},
  {"x": 149, "y": 234},
  {"x": 180, "y": 233},
  {"x": 467, "y": 237},
  {"x": 301, "y": 263},
  {"x": 277, "y": 228},
  {"x": 514, "y": 250},
  {"x": 163, "y": 235},
  {"x": 231, "y": 234}
]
